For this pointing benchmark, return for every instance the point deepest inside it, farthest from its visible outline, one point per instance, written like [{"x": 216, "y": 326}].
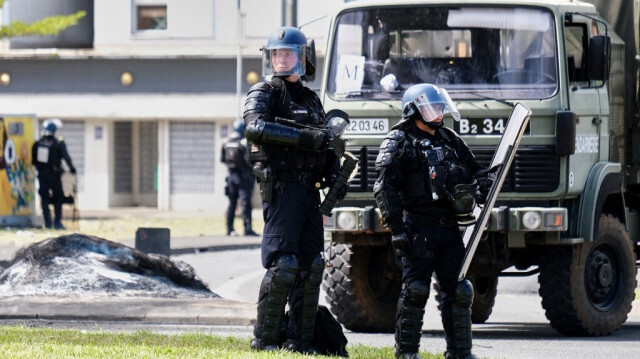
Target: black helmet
[
  {"x": 293, "y": 43},
  {"x": 50, "y": 126},
  {"x": 238, "y": 126},
  {"x": 429, "y": 102}
]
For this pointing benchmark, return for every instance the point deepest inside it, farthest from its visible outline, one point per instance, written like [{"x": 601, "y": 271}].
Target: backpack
[
  {"x": 44, "y": 149},
  {"x": 234, "y": 155},
  {"x": 328, "y": 338}
]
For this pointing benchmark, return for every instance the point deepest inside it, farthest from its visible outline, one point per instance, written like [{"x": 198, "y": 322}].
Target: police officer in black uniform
[
  {"x": 287, "y": 128},
  {"x": 240, "y": 181},
  {"x": 425, "y": 184},
  {"x": 47, "y": 155}
]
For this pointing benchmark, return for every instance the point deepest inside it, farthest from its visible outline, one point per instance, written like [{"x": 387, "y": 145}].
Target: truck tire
[
  {"x": 362, "y": 285},
  {"x": 485, "y": 290},
  {"x": 587, "y": 289}
]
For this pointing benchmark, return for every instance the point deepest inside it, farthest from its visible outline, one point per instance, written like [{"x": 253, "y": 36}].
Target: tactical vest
[
  {"x": 437, "y": 169},
  {"x": 304, "y": 109},
  {"x": 46, "y": 152},
  {"x": 234, "y": 155}
]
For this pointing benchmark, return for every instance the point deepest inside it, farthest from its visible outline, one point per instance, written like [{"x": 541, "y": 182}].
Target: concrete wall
[{"x": 187, "y": 73}]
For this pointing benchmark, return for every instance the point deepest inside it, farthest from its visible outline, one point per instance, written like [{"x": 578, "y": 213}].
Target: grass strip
[{"x": 34, "y": 343}]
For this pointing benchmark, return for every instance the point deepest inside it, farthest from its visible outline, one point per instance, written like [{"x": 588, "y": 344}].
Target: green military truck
[{"x": 569, "y": 207}]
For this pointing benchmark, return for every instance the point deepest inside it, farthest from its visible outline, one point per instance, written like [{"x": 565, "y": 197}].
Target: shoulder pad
[
  {"x": 396, "y": 135},
  {"x": 261, "y": 86},
  {"x": 389, "y": 148},
  {"x": 258, "y": 98}
]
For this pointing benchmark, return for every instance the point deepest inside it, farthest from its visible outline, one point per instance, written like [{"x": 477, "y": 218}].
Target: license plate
[
  {"x": 367, "y": 126},
  {"x": 480, "y": 126}
]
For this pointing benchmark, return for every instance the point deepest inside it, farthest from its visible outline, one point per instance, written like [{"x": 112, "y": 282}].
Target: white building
[{"x": 147, "y": 89}]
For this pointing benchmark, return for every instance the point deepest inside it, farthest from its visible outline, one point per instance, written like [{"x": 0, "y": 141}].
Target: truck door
[{"x": 584, "y": 101}]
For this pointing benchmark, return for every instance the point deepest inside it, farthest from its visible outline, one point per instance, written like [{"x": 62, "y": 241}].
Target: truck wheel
[
  {"x": 587, "y": 289},
  {"x": 485, "y": 290},
  {"x": 362, "y": 285}
]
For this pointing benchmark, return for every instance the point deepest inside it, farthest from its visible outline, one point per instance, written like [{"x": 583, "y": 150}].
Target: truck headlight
[
  {"x": 346, "y": 220},
  {"x": 531, "y": 220}
]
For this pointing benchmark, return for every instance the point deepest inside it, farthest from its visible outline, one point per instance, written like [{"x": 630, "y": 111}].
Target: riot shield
[{"x": 502, "y": 158}]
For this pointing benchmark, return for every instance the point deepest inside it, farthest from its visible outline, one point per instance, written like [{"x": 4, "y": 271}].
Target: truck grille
[
  {"x": 534, "y": 169},
  {"x": 366, "y": 173}
]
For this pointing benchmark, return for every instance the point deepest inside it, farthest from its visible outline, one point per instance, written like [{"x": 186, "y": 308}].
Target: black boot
[
  {"x": 274, "y": 290},
  {"x": 409, "y": 316},
  {"x": 456, "y": 320},
  {"x": 303, "y": 307}
]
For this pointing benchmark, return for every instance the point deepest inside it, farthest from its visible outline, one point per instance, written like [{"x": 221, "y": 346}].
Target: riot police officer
[
  {"x": 240, "y": 180},
  {"x": 47, "y": 154},
  {"x": 287, "y": 128},
  {"x": 425, "y": 184}
]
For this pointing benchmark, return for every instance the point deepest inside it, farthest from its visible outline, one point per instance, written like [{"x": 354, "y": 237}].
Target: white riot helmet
[{"x": 429, "y": 102}]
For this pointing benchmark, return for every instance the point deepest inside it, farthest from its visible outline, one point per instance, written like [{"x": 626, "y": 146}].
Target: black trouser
[
  {"x": 433, "y": 249},
  {"x": 293, "y": 228},
  {"x": 50, "y": 192},
  {"x": 240, "y": 187}
]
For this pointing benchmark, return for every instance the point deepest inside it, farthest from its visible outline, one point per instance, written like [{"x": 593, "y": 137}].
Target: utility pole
[
  {"x": 240, "y": 35},
  {"x": 290, "y": 13}
]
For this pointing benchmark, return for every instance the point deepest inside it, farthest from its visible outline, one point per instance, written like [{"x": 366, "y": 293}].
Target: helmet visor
[
  {"x": 437, "y": 106},
  {"x": 284, "y": 60}
]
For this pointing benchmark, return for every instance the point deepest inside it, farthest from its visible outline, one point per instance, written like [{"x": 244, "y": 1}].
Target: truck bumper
[{"x": 513, "y": 221}]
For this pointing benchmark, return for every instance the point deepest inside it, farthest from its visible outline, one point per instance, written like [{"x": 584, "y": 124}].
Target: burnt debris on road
[{"x": 78, "y": 264}]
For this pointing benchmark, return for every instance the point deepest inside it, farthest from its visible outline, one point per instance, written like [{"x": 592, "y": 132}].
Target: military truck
[{"x": 568, "y": 210}]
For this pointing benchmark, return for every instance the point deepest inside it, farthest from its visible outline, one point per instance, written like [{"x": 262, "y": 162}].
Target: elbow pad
[{"x": 260, "y": 132}]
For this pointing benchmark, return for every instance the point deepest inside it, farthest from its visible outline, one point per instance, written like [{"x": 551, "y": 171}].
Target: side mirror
[
  {"x": 598, "y": 58},
  {"x": 565, "y": 133},
  {"x": 310, "y": 75}
]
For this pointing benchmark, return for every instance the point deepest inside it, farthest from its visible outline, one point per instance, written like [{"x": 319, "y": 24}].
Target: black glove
[
  {"x": 401, "y": 244},
  {"x": 72, "y": 170},
  {"x": 465, "y": 197},
  {"x": 315, "y": 140},
  {"x": 485, "y": 179}
]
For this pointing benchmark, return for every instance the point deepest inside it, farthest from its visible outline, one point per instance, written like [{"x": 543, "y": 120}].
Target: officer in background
[
  {"x": 240, "y": 180},
  {"x": 47, "y": 154},
  {"x": 428, "y": 179},
  {"x": 287, "y": 127}
]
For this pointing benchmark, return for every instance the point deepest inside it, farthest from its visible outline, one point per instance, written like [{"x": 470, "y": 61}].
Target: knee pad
[
  {"x": 417, "y": 293},
  {"x": 464, "y": 294},
  {"x": 285, "y": 270},
  {"x": 315, "y": 270}
]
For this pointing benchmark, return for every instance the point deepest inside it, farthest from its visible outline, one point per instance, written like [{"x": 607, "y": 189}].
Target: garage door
[{"x": 192, "y": 157}]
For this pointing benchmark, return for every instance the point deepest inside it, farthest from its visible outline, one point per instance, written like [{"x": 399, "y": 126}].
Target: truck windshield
[{"x": 473, "y": 52}]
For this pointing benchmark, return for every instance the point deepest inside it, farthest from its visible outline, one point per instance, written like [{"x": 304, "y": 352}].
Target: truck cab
[{"x": 572, "y": 179}]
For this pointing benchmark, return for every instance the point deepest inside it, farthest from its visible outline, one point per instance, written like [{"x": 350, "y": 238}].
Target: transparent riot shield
[{"x": 501, "y": 162}]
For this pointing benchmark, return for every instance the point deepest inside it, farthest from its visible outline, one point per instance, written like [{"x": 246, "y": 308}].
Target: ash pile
[{"x": 85, "y": 265}]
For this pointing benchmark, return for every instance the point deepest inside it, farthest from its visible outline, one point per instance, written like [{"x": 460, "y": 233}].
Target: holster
[{"x": 265, "y": 179}]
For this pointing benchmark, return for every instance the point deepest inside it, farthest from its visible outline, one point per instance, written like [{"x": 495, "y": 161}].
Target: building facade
[{"x": 147, "y": 89}]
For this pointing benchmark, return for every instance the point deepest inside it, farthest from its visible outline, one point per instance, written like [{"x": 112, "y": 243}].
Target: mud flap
[{"x": 502, "y": 159}]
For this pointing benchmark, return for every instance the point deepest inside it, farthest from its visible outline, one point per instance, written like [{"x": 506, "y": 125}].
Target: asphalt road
[{"x": 517, "y": 327}]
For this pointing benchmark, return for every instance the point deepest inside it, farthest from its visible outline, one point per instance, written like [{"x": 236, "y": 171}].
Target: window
[
  {"x": 151, "y": 17},
  {"x": 576, "y": 44}
]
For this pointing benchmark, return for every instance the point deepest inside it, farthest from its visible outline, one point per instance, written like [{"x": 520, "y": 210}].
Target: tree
[{"x": 52, "y": 25}]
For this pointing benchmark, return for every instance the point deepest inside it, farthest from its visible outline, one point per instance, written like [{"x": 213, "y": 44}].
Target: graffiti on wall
[{"x": 17, "y": 175}]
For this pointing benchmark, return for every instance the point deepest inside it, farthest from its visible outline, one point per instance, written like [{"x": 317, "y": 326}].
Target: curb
[
  {"x": 213, "y": 248},
  {"x": 213, "y": 311}
]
